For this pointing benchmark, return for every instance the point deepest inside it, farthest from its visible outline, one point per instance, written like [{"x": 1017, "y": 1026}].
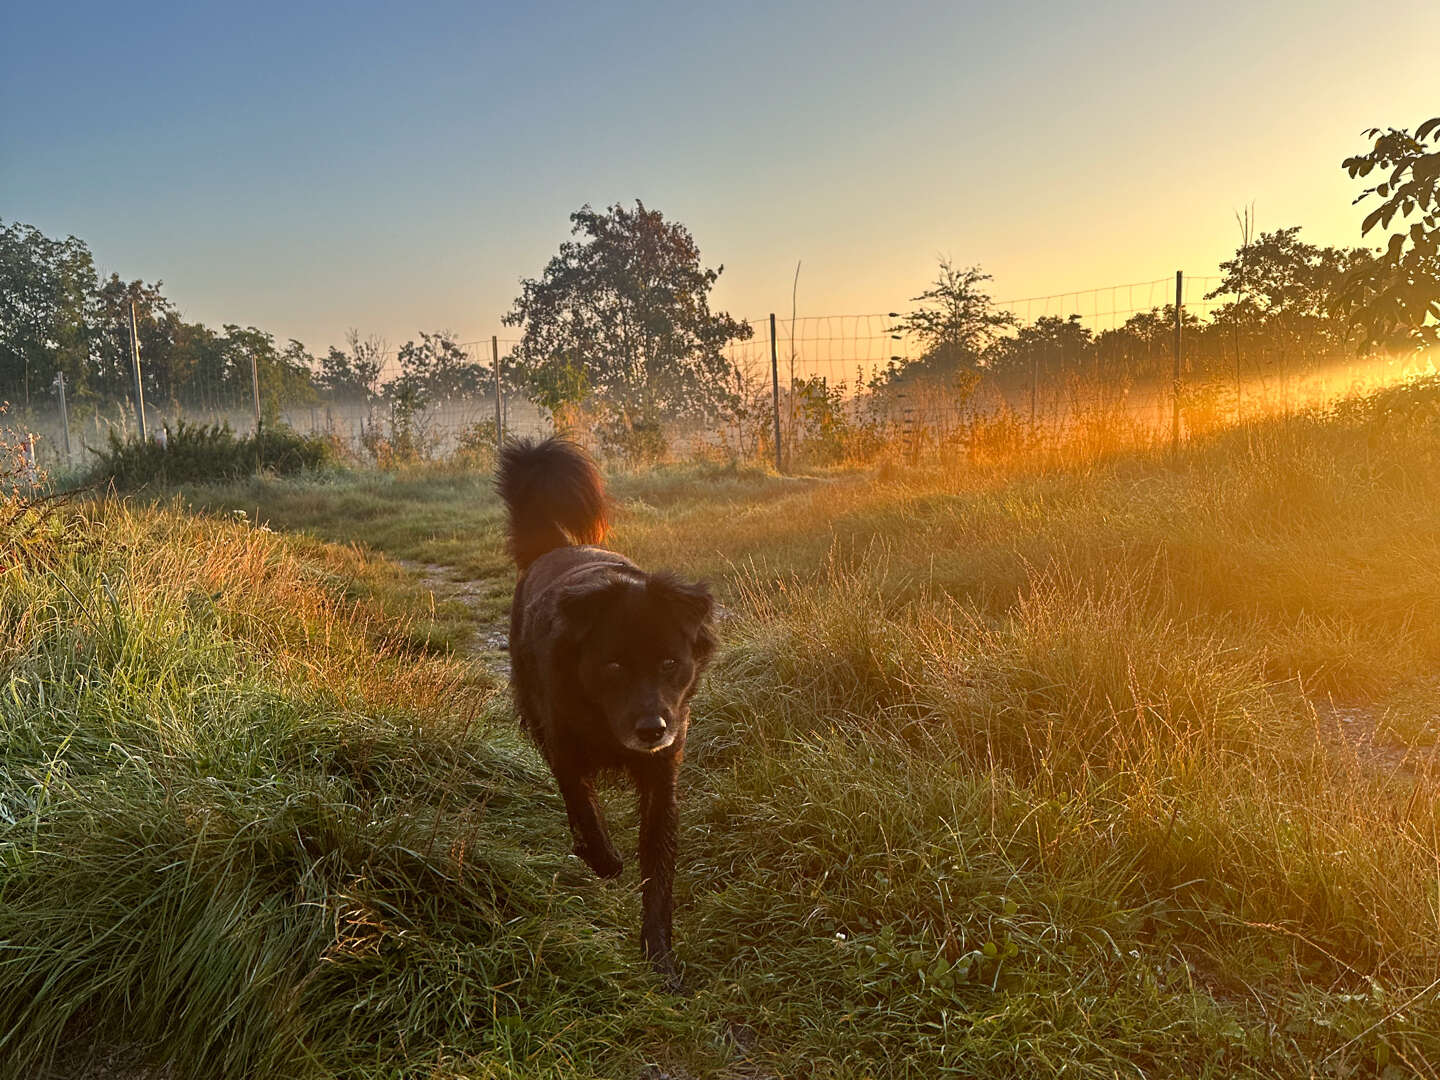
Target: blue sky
[{"x": 307, "y": 167}]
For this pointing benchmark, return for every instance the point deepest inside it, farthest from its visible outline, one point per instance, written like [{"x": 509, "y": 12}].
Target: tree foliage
[
  {"x": 435, "y": 369},
  {"x": 621, "y": 318},
  {"x": 58, "y": 315},
  {"x": 46, "y": 292},
  {"x": 1285, "y": 291},
  {"x": 954, "y": 324},
  {"x": 353, "y": 373},
  {"x": 1050, "y": 343},
  {"x": 1398, "y": 296}
]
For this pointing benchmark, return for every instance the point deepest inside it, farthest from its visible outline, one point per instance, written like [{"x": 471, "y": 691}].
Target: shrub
[
  {"x": 828, "y": 428},
  {"x": 475, "y": 446},
  {"x": 410, "y": 438},
  {"x": 635, "y": 440},
  {"x": 200, "y": 452}
]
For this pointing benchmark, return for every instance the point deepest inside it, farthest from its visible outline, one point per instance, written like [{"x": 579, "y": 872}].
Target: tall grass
[
  {"x": 249, "y": 829},
  {"x": 1108, "y": 765}
]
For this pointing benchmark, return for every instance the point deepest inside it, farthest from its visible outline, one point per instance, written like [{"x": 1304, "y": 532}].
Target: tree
[
  {"x": 57, "y": 316},
  {"x": 1397, "y": 298},
  {"x": 956, "y": 322},
  {"x": 45, "y": 291},
  {"x": 436, "y": 369},
  {"x": 286, "y": 376},
  {"x": 1142, "y": 348},
  {"x": 1285, "y": 292},
  {"x": 622, "y": 317},
  {"x": 353, "y": 374},
  {"x": 166, "y": 364},
  {"x": 1047, "y": 346}
]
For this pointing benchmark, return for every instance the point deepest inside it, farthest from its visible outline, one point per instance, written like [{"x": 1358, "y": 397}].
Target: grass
[
  {"x": 191, "y": 453},
  {"x": 1118, "y": 766}
]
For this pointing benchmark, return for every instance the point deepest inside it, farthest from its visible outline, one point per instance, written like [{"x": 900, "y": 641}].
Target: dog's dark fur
[{"x": 604, "y": 661}]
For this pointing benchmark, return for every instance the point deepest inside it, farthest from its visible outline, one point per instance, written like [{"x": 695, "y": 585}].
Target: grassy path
[{"x": 1126, "y": 769}]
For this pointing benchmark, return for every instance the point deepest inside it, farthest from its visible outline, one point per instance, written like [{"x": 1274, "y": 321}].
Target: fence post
[
  {"x": 1034, "y": 389},
  {"x": 64, "y": 412},
  {"x": 1175, "y": 410},
  {"x": 775, "y": 390},
  {"x": 499, "y": 412},
  {"x": 135, "y": 371},
  {"x": 255, "y": 389}
]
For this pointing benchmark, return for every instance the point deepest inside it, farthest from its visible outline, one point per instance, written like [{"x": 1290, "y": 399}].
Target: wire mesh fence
[{"x": 1099, "y": 363}]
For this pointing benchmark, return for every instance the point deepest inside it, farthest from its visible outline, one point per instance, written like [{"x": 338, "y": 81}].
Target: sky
[{"x": 307, "y": 168}]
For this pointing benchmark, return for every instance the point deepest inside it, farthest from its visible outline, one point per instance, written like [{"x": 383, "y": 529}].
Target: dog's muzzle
[{"x": 651, "y": 731}]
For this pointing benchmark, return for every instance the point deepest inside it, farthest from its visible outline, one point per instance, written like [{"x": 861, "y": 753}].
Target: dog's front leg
[
  {"x": 659, "y": 828},
  {"x": 587, "y": 823}
]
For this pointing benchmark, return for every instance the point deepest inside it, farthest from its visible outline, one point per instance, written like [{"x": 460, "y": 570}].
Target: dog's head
[{"x": 641, "y": 643}]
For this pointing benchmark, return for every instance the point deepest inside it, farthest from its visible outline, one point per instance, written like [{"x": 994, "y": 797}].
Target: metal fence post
[
  {"x": 775, "y": 390},
  {"x": 64, "y": 412},
  {"x": 255, "y": 389},
  {"x": 1175, "y": 411},
  {"x": 499, "y": 411},
  {"x": 135, "y": 371}
]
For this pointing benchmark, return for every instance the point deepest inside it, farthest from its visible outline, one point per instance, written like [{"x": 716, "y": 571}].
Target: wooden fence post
[
  {"x": 1175, "y": 411},
  {"x": 499, "y": 412},
  {"x": 775, "y": 390},
  {"x": 64, "y": 412},
  {"x": 135, "y": 371},
  {"x": 255, "y": 389}
]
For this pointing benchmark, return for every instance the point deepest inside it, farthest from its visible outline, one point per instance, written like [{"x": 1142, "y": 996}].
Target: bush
[
  {"x": 828, "y": 429},
  {"x": 475, "y": 446},
  {"x": 635, "y": 440},
  {"x": 193, "y": 453}
]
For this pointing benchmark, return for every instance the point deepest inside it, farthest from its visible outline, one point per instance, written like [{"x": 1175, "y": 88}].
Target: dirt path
[
  {"x": 489, "y": 641},
  {"x": 1359, "y": 731},
  {"x": 489, "y": 645}
]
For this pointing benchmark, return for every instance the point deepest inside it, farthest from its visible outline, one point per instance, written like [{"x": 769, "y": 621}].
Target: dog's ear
[
  {"x": 581, "y": 607},
  {"x": 692, "y": 605}
]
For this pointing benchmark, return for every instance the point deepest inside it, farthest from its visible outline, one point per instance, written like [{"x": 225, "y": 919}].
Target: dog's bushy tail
[{"x": 554, "y": 494}]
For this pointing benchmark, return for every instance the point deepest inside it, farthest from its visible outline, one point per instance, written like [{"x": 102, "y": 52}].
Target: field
[{"x": 1116, "y": 766}]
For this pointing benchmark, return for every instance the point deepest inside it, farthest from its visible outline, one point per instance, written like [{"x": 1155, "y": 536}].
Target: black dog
[{"x": 604, "y": 661}]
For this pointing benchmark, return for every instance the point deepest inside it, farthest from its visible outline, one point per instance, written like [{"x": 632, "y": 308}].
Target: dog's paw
[
  {"x": 606, "y": 864},
  {"x": 669, "y": 975}
]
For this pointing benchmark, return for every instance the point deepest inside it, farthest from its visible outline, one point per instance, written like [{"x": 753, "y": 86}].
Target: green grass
[{"x": 1107, "y": 768}]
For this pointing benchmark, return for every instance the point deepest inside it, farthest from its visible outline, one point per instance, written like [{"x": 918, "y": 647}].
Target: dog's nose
[{"x": 651, "y": 729}]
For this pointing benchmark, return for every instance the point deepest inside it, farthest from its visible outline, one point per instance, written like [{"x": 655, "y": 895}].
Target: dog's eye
[
  {"x": 668, "y": 664},
  {"x": 613, "y": 668}
]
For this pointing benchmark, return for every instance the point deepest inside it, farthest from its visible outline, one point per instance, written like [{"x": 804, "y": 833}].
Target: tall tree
[
  {"x": 286, "y": 376},
  {"x": 45, "y": 291},
  {"x": 622, "y": 317},
  {"x": 955, "y": 323},
  {"x": 1398, "y": 297},
  {"x": 167, "y": 366},
  {"x": 1285, "y": 291}
]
